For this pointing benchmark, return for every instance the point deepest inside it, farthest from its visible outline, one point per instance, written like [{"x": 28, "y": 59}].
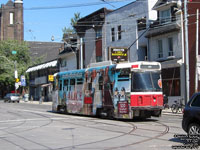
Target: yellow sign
[
  {"x": 50, "y": 77},
  {"x": 17, "y": 80}
]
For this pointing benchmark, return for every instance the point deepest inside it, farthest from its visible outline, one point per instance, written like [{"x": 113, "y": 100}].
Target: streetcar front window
[{"x": 145, "y": 81}]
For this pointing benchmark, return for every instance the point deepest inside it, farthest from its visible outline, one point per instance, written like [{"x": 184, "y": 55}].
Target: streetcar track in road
[
  {"x": 129, "y": 133},
  {"x": 99, "y": 141},
  {"x": 91, "y": 120},
  {"x": 122, "y": 133},
  {"x": 133, "y": 128},
  {"x": 20, "y": 124},
  {"x": 146, "y": 140},
  {"x": 26, "y": 139}
]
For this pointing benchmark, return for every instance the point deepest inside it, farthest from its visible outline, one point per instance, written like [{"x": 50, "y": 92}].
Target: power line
[{"x": 73, "y": 5}]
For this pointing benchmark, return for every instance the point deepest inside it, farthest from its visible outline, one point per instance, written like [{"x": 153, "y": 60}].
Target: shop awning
[
  {"x": 42, "y": 66},
  {"x": 45, "y": 85}
]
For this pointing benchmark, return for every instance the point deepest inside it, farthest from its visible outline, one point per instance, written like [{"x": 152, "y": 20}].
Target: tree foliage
[
  {"x": 7, "y": 59},
  {"x": 71, "y": 29}
]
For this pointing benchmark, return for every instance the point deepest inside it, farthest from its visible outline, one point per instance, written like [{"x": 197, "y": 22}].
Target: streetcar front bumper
[
  {"x": 147, "y": 111},
  {"x": 147, "y": 108}
]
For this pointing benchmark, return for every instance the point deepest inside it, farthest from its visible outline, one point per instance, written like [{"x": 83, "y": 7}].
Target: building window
[
  {"x": 160, "y": 49},
  {"x": 170, "y": 46},
  {"x": 11, "y": 18},
  {"x": 141, "y": 24},
  {"x": 113, "y": 34},
  {"x": 63, "y": 63},
  {"x": 165, "y": 16},
  {"x": 98, "y": 58},
  {"x": 98, "y": 33},
  {"x": 119, "y": 33}
]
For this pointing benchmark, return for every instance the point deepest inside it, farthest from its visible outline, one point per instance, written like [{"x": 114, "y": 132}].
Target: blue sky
[{"x": 42, "y": 24}]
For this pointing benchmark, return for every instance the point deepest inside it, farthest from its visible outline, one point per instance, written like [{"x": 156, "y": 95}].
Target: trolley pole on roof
[{"x": 186, "y": 53}]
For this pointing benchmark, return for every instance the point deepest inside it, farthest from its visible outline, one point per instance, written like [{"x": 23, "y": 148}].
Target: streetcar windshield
[{"x": 146, "y": 81}]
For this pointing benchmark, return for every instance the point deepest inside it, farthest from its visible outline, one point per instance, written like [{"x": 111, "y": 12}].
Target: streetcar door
[
  {"x": 60, "y": 93},
  {"x": 122, "y": 91},
  {"x": 65, "y": 89}
]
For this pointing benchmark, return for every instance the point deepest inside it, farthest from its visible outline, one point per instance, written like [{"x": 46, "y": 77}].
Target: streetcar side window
[
  {"x": 60, "y": 85},
  {"x": 100, "y": 83},
  {"x": 72, "y": 85},
  {"x": 79, "y": 81},
  {"x": 72, "y": 82},
  {"x": 65, "y": 87}
]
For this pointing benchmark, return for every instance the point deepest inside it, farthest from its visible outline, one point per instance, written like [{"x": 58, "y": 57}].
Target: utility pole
[
  {"x": 16, "y": 76},
  {"x": 197, "y": 50},
  {"x": 186, "y": 53},
  {"x": 81, "y": 48}
]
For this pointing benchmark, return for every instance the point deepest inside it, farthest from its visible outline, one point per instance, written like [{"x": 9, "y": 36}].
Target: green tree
[
  {"x": 70, "y": 30},
  {"x": 7, "y": 59}
]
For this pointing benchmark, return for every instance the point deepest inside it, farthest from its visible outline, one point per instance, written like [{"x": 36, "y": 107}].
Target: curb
[{"x": 168, "y": 112}]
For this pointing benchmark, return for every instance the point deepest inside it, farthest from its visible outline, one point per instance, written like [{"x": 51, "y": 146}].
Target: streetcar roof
[
  {"x": 118, "y": 66},
  {"x": 129, "y": 65}
]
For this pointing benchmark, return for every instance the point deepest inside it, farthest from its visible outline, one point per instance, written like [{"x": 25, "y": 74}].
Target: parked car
[
  {"x": 12, "y": 97},
  {"x": 191, "y": 116}
]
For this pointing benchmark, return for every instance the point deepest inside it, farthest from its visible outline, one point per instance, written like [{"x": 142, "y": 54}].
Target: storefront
[
  {"x": 40, "y": 82},
  {"x": 173, "y": 80}
]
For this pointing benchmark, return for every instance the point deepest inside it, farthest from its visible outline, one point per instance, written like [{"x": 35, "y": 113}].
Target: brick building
[
  {"x": 11, "y": 21},
  {"x": 193, "y": 5}
]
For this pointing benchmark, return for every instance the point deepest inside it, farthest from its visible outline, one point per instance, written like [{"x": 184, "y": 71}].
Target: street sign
[
  {"x": 16, "y": 86},
  {"x": 120, "y": 54},
  {"x": 23, "y": 80},
  {"x": 16, "y": 74},
  {"x": 51, "y": 78},
  {"x": 14, "y": 52},
  {"x": 16, "y": 80}
]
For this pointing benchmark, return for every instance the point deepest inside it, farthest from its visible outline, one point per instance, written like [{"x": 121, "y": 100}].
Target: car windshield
[{"x": 145, "y": 81}]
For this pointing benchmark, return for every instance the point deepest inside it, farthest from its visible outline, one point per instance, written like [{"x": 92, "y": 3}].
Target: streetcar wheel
[
  {"x": 58, "y": 108},
  {"x": 98, "y": 113}
]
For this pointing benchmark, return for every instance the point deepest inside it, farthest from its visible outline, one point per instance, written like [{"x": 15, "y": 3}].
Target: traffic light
[{"x": 17, "y": 80}]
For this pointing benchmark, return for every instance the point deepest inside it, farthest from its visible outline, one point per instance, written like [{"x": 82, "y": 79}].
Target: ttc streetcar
[{"x": 125, "y": 90}]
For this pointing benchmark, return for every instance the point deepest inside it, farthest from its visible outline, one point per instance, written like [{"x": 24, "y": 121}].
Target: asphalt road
[{"x": 26, "y": 126}]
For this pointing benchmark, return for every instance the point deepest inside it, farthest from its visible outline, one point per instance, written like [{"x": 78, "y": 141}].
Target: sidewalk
[
  {"x": 169, "y": 112},
  {"x": 36, "y": 102}
]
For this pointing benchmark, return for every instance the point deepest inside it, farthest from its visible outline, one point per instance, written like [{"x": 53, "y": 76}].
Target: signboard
[
  {"x": 51, "y": 78},
  {"x": 16, "y": 80},
  {"x": 16, "y": 86},
  {"x": 119, "y": 54},
  {"x": 23, "y": 81},
  {"x": 16, "y": 74},
  {"x": 123, "y": 107}
]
